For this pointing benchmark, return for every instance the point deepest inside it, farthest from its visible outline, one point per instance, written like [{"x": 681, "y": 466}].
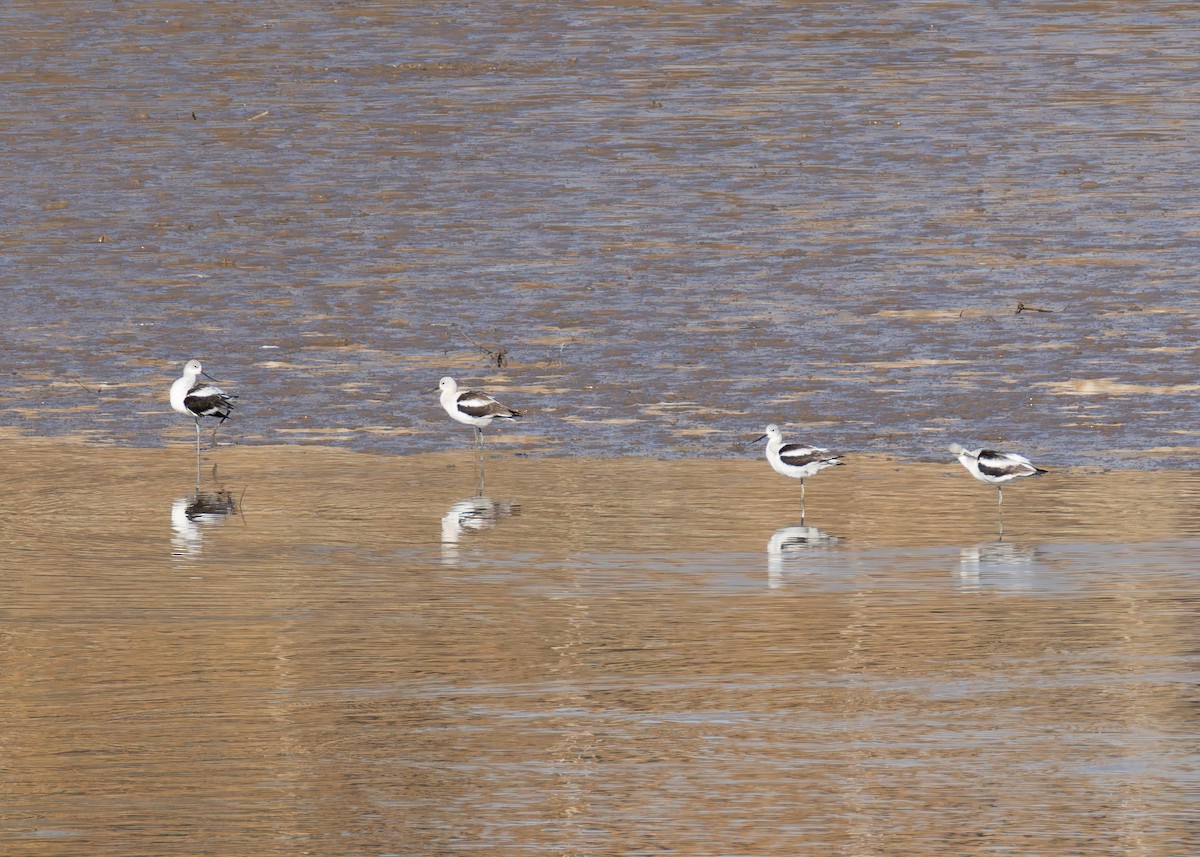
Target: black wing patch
[
  {"x": 795, "y": 455},
  {"x": 205, "y": 400},
  {"x": 992, "y": 463},
  {"x": 475, "y": 404}
]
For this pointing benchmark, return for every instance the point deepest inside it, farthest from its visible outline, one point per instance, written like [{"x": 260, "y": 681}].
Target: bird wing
[
  {"x": 993, "y": 463},
  {"x": 205, "y": 399},
  {"x": 798, "y": 455},
  {"x": 476, "y": 404}
]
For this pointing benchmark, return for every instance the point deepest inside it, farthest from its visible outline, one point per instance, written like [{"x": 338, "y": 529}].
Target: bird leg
[
  {"x": 477, "y": 447},
  {"x": 802, "y": 502}
]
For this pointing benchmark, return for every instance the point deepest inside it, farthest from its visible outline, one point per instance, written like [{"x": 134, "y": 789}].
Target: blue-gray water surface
[{"x": 655, "y": 228}]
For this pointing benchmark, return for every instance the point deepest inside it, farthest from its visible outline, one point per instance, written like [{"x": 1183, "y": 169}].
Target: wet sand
[
  {"x": 607, "y": 656},
  {"x": 648, "y": 504}
]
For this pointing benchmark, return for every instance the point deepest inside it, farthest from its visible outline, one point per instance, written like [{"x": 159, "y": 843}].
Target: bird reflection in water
[
  {"x": 1000, "y": 564},
  {"x": 191, "y": 514},
  {"x": 788, "y": 546},
  {"x": 470, "y": 516}
]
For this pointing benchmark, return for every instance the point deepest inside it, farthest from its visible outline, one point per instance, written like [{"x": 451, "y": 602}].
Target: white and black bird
[
  {"x": 194, "y": 398},
  {"x": 472, "y": 408},
  {"x": 795, "y": 459},
  {"x": 995, "y": 468}
]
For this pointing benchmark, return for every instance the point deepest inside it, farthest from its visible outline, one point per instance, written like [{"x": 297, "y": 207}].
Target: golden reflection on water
[{"x": 333, "y": 653}]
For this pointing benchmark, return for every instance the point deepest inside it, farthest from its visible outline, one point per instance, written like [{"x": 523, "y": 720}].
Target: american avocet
[
  {"x": 197, "y": 399},
  {"x": 472, "y": 408},
  {"x": 995, "y": 468},
  {"x": 795, "y": 459}
]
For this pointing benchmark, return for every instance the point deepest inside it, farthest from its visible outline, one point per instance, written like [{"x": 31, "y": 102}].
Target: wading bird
[
  {"x": 795, "y": 459},
  {"x": 472, "y": 408},
  {"x": 197, "y": 399},
  {"x": 995, "y": 468}
]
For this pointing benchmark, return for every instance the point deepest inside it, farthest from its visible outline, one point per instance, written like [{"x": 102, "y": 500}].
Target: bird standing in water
[
  {"x": 995, "y": 468},
  {"x": 197, "y": 399},
  {"x": 795, "y": 459},
  {"x": 472, "y": 408}
]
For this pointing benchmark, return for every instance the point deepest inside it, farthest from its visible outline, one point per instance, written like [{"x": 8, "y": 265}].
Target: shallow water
[
  {"x": 655, "y": 229},
  {"x": 619, "y": 656},
  {"x": 676, "y": 224}
]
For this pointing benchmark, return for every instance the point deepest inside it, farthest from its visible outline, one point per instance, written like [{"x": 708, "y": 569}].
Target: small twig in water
[
  {"x": 96, "y": 392},
  {"x": 561, "y": 347},
  {"x": 1026, "y": 308},
  {"x": 500, "y": 358}
]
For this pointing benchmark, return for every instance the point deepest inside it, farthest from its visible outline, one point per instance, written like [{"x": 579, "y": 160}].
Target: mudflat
[{"x": 336, "y": 651}]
